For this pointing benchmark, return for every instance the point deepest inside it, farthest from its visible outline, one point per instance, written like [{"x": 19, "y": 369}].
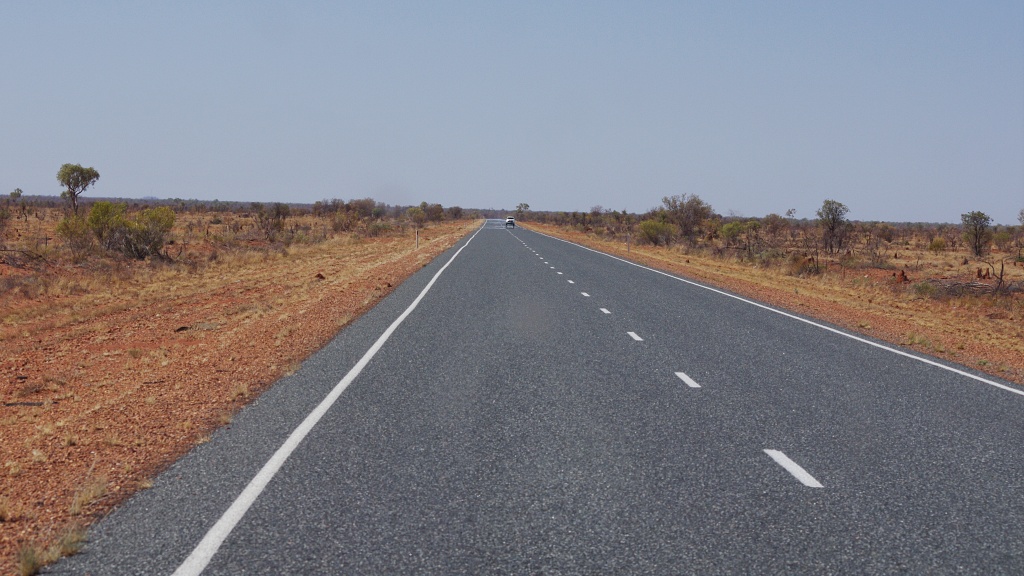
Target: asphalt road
[{"x": 548, "y": 409}]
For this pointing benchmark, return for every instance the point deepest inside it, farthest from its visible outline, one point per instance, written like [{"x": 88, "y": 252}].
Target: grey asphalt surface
[{"x": 511, "y": 426}]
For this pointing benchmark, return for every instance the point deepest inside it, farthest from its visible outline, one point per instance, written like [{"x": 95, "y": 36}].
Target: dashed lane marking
[
  {"x": 634, "y": 336},
  {"x": 880, "y": 346},
  {"x": 793, "y": 468},
  {"x": 689, "y": 381}
]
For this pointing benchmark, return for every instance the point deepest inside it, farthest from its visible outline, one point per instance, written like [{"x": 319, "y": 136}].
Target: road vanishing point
[{"x": 527, "y": 405}]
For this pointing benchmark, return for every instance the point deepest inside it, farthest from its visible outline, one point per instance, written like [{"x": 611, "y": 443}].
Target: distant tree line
[{"x": 689, "y": 221}]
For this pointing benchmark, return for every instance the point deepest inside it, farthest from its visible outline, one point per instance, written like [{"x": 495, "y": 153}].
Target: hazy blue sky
[{"x": 904, "y": 111}]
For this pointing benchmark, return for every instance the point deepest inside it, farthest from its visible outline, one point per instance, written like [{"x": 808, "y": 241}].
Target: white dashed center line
[
  {"x": 689, "y": 381},
  {"x": 605, "y": 310},
  {"x": 559, "y": 273},
  {"x": 585, "y": 294},
  {"x": 793, "y": 468},
  {"x": 634, "y": 336},
  {"x": 571, "y": 282}
]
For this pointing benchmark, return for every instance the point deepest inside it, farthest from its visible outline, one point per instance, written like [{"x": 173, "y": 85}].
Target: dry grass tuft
[
  {"x": 32, "y": 557},
  {"x": 94, "y": 488}
]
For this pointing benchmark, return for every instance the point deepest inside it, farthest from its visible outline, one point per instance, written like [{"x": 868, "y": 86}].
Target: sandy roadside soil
[{"x": 103, "y": 389}]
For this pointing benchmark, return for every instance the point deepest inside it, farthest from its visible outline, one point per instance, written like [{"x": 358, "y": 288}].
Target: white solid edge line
[
  {"x": 974, "y": 377},
  {"x": 689, "y": 381},
  {"x": 793, "y": 468},
  {"x": 208, "y": 546},
  {"x": 635, "y": 336}
]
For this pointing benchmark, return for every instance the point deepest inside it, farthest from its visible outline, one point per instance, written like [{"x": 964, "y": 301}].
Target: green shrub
[
  {"x": 377, "y": 228},
  {"x": 139, "y": 238},
  {"x": 106, "y": 219},
  {"x": 150, "y": 231},
  {"x": 77, "y": 236},
  {"x": 937, "y": 245},
  {"x": 926, "y": 290},
  {"x": 5, "y": 217},
  {"x": 1003, "y": 239},
  {"x": 657, "y": 233}
]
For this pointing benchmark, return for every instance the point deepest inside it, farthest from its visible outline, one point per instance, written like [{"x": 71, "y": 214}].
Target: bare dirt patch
[{"x": 108, "y": 375}]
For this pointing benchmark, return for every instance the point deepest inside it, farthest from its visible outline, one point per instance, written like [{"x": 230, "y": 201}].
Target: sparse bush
[
  {"x": 378, "y": 228},
  {"x": 768, "y": 258},
  {"x": 1003, "y": 239},
  {"x": 657, "y": 233},
  {"x": 799, "y": 265},
  {"x": 106, "y": 219},
  {"x": 136, "y": 238},
  {"x": 688, "y": 213},
  {"x": 926, "y": 290},
  {"x": 344, "y": 221},
  {"x": 731, "y": 232},
  {"x": 150, "y": 231},
  {"x": 77, "y": 236},
  {"x": 937, "y": 245},
  {"x": 5, "y": 217},
  {"x": 417, "y": 215},
  {"x": 271, "y": 219}
]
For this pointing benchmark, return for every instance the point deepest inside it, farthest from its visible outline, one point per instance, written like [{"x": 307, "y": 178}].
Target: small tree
[
  {"x": 688, "y": 212},
  {"x": 417, "y": 215},
  {"x": 17, "y": 194},
  {"x": 977, "y": 231},
  {"x": 270, "y": 219},
  {"x": 435, "y": 212},
  {"x": 1003, "y": 238},
  {"x": 75, "y": 180},
  {"x": 833, "y": 224},
  {"x": 521, "y": 209}
]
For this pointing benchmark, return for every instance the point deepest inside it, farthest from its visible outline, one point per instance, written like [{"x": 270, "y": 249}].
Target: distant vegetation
[
  {"x": 799, "y": 246},
  {"x": 37, "y": 228},
  {"x": 43, "y": 230}
]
